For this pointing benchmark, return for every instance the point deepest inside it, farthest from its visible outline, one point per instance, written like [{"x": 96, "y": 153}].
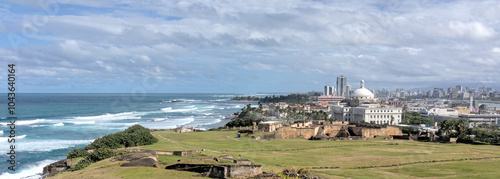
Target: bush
[
  {"x": 416, "y": 118},
  {"x": 131, "y": 137},
  {"x": 97, "y": 155},
  {"x": 81, "y": 164},
  {"x": 101, "y": 154},
  {"x": 77, "y": 153},
  {"x": 242, "y": 122},
  {"x": 407, "y": 129}
]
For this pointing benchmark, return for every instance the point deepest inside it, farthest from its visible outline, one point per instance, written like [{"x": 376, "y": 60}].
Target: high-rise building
[
  {"x": 328, "y": 90},
  {"x": 341, "y": 85},
  {"x": 459, "y": 88},
  {"x": 347, "y": 91}
]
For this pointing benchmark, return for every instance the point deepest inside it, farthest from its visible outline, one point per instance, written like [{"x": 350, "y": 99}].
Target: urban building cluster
[{"x": 388, "y": 107}]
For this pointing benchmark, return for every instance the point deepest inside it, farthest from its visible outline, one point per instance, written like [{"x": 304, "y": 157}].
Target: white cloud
[
  {"x": 496, "y": 49},
  {"x": 104, "y": 65},
  {"x": 411, "y": 51},
  {"x": 41, "y": 72},
  {"x": 183, "y": 40},
  {"x": 145, "y": 58},
  {"x": 472, "y": 30},
  {"x": 99, "y": 23}
]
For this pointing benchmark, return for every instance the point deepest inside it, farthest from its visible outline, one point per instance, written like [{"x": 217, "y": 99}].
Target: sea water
[{"x": 50, "y": 125}]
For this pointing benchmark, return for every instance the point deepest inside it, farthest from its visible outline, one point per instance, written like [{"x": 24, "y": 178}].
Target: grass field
[{"x": 377, "y": 158}]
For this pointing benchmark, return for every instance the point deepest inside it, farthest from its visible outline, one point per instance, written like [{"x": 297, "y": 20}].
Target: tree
[
  {"x": 416, "y": 118},
  {"x": 452, "y": 127},
  {"x": 482, "y": 108}
]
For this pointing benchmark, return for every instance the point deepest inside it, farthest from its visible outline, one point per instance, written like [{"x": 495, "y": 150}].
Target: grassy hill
[{"x": 377, "y": 158}]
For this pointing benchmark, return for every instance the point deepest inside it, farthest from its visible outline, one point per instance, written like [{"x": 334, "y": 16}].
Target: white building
[
  {"x": 453, "y": 113},
  {"x": 363, "y": 106}
]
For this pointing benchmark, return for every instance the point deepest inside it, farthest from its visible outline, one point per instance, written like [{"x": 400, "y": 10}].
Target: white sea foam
[
  {"x": 25, "y": 122},
  {"x": 184, "y": 121},
  {"x": 107, "y": 116},
  {"x": 169, "y": 109},
  {"x": 221, "y": 100},
  {"x": 131, "y": 124},
  {"x": 159, "y": 119},
  {"x": 84, "y": 122},
  {"x": 169, "y": 123},
  {"x": 212, "y": 106},
  {"x": 5, "y": 139},
  {"x": 49, "y": 145},
  {"x": 59, "y": 124},
  {"x": 1, "y": 132},
  {"x": 37, "y": 126},
  {"x": 213, "y": 122},
  {"x": 189, "y": 100},
  {"x": 32, "y": 171}
]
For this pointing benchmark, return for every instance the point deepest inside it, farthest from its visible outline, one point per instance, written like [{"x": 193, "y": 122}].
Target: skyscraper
[
  {"x": 328, "y": 90},
  {"x": 347, "y": 91},
  {"x": 341, "y": 85}
]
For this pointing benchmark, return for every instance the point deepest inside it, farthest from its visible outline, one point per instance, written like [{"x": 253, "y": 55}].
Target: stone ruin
[
  {"x": 219, "y": 171},
  {"x": 333, "y": 130}
]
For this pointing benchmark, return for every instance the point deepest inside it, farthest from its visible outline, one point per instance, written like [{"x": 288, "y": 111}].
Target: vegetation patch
[{"x": 133, "y": 136}]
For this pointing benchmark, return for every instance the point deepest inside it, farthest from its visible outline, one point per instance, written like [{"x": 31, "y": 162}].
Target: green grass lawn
[{"x": 275, "y": 155}]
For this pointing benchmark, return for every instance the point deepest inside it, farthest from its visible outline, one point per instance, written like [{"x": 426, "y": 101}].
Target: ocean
[{"x": 50, "y": 125}]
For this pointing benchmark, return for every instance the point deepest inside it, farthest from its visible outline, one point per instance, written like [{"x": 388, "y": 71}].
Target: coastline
[
  {"x": 42, "y": 174},
  {"x": 250, "y": 100}
]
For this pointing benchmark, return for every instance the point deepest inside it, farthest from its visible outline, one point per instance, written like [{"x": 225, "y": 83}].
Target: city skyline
[{"x": 248, "y": 46}]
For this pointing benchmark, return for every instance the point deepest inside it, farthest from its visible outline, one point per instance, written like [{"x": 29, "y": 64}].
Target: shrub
[
  {"x": 133, "y": 136},
  {"x": 97, "y": 155},
  {"x": 242, "y": 122},
  {"x": 77, "y": 153},
  {"x": 81, "y": 164},
  {"x": 101, "y": 154}
]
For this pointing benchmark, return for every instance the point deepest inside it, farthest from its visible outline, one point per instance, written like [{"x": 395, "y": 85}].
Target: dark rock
[{"x": 56, "y": 167}]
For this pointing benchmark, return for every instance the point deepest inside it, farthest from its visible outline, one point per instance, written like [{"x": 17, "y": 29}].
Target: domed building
[
  {"x": 362, "y": 96},
  {"x": 363, "y": 106}
]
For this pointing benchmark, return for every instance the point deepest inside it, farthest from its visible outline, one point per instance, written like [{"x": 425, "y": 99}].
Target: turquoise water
[{"x": 50, "y": 125}]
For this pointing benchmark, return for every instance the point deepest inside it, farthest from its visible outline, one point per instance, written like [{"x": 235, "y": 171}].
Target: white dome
[{"x": 362, "y": 93}]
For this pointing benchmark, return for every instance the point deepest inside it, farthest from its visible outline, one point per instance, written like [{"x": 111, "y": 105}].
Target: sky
[{"x": 247, "y": 46}]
